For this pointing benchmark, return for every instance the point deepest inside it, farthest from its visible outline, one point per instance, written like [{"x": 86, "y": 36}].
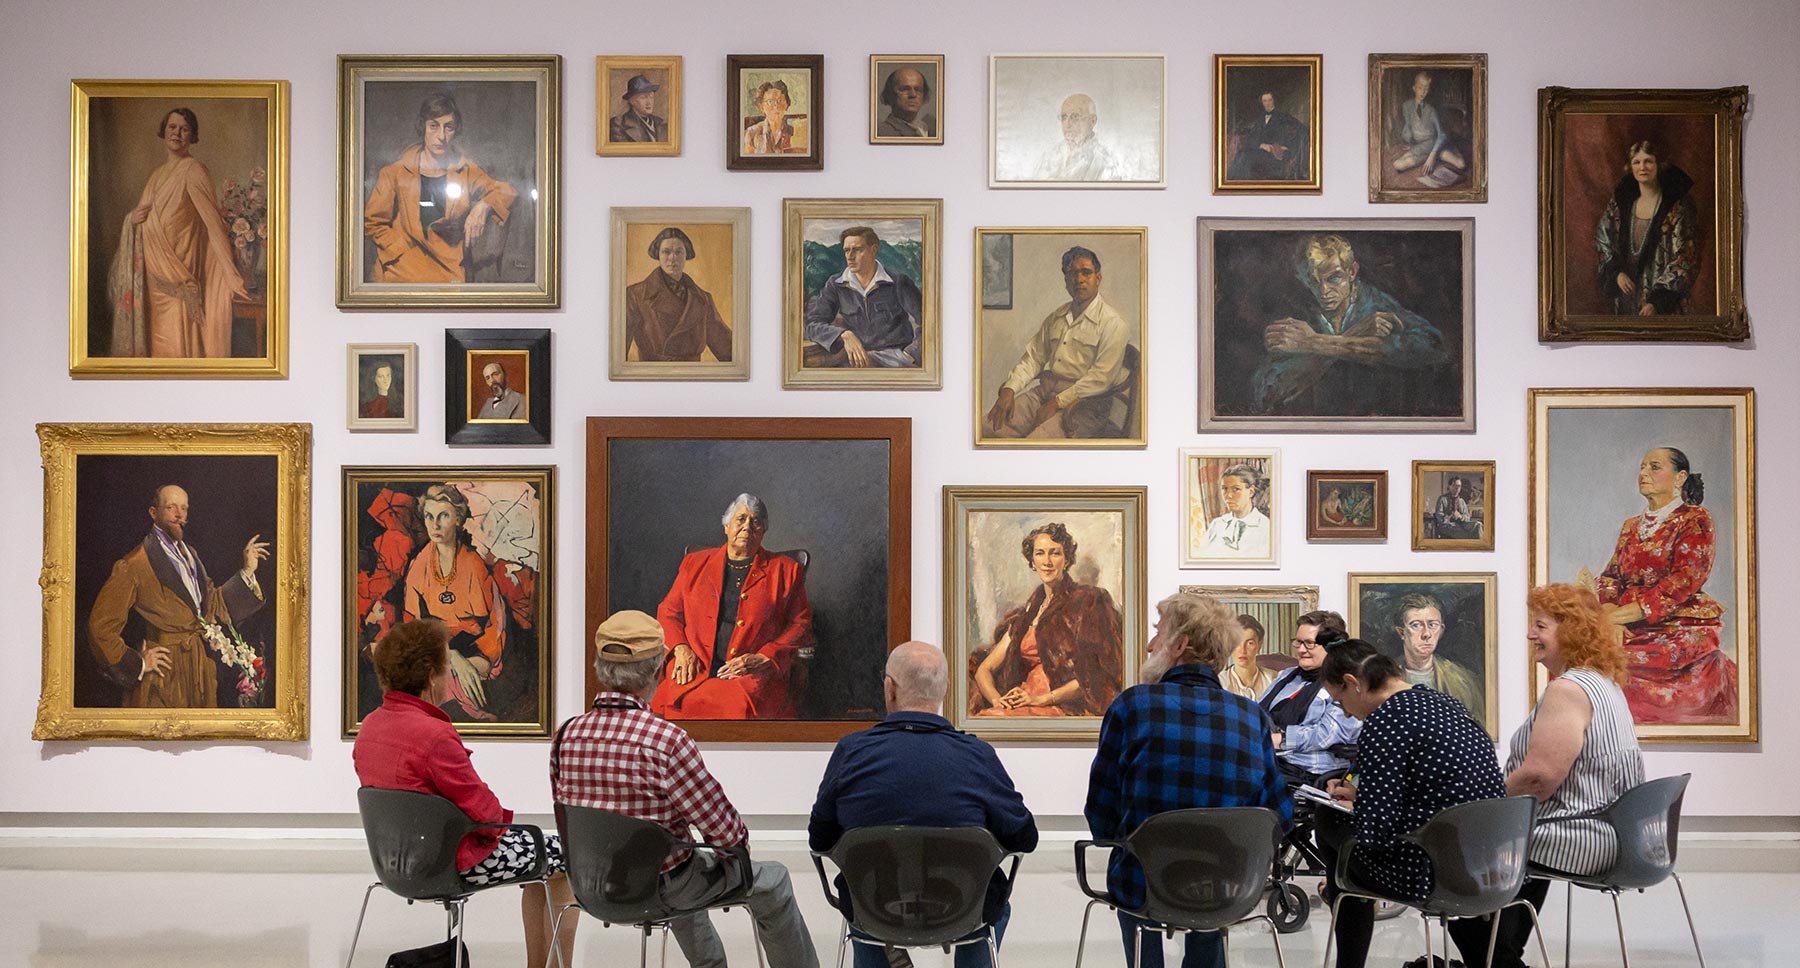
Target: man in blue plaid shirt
[{"x": 1180, "y": 740}]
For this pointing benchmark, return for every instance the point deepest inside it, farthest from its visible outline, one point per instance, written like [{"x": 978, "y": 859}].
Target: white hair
[
  {"x": 920, "y": 674},
  {"x": 754, "y": 504},
  {"x": 629, "y": 677}
]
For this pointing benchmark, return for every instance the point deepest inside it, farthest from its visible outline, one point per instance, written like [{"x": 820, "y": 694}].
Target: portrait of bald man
[
  {"x": 905, "y": 99},
  {"x": 1077, "y": 120}
]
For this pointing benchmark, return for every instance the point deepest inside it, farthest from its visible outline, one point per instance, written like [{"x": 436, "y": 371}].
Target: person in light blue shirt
[{"x": 1309, "y": 728}]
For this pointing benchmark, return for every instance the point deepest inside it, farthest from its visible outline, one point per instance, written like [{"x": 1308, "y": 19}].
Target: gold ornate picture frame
[
  {"x": 1268, "y": 124},
  {"x": 178, "y": 243},
  {"x": 478, "y": 137},
  {"x": 159, "y": 625},
  {"x": 1690, "y": 285},
  {"x": 1084, "y": 575},
  {"x": 638, "y": 103},
  {"x": 1428, "y": 145},
  {"x": 1453, "y": 506},
  {"x": 908, "y": 256}
]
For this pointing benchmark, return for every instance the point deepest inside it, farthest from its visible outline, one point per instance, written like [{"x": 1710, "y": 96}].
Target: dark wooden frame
[
  {"x": 897, "y": 431},
  {"x": 1724, "y": 231},
  {"x": 458, "y": 428},
  {"x": 545, "y": 478},
  {"x": 814, "y": 159},
  {"x": 1317, "y": 532}
]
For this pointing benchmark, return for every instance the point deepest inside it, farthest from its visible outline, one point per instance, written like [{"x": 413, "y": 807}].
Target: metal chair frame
[
  {"x": 1606, "y": 881},
  {"x": 1347, "y": 889},
  {"x": 453, "y": 906},
  {"x": 726, "y": 855},
  {"x": 1149, "y": 924},
  {"x": 984, "y": 935}
]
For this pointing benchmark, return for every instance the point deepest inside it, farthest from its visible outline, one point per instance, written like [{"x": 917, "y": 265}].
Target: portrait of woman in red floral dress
[{"x": 1652, "y": 588}]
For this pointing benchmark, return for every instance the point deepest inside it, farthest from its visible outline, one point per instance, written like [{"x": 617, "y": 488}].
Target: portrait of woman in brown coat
[
  {"x": 1062, "y": 652},
  {"x": 668, "y": 317}
]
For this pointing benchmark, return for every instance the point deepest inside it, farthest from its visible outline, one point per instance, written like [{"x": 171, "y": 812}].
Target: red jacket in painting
[{"x": 773, "y": 619}]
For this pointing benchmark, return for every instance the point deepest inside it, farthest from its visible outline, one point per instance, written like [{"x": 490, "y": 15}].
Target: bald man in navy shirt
[{"x": 915, "y": 769}]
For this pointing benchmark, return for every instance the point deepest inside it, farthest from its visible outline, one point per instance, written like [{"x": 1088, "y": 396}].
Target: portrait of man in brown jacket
[{"x": 165, "y": 583}]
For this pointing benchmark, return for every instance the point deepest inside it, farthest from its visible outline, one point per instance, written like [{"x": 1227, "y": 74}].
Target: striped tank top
[{"x": 1608, "y": 765}]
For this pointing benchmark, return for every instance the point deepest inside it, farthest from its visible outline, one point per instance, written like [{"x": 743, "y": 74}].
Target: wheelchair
[{"x": 1289, "y": 904}]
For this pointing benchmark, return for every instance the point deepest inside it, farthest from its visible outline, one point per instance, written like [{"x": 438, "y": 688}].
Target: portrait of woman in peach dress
[{"x": 1059, "y": 654}]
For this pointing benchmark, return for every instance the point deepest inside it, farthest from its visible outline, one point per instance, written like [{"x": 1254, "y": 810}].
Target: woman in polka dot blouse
[{"x": 1419, "y": 753}]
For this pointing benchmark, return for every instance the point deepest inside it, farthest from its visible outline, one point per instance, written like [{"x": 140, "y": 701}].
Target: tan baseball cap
[{"x": 630, "y": 636}]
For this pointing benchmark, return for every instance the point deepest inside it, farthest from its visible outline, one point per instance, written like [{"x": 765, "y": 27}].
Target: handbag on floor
[{"x": 440, "y": 955}]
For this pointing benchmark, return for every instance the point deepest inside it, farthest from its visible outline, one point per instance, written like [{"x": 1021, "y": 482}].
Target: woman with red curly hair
[{"x": 1576, "y": 753}]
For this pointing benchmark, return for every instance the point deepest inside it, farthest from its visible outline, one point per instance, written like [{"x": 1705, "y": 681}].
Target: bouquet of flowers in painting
[
  {"x": 245, "y": 210},
  {"x": 228, "y": 644}
]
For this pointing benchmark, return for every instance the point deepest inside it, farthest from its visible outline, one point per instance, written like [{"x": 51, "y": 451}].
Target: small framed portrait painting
[
  {"x": 384, "y": 386},
  {"x": 178, "y": 242},
  {"x": 680, "y": 294},
  {"x": 906, "y": 99},
  {"x": 496, "y": 386},
  {"x": 1440, "y": 628},
  {"x": 1641, "y": 215},
  {"x": 637, "y": 106},
  {"x": 175, "y": 582},
  {"x": 861, "y": 293},
  {"x": 1044, "y": 618},
  {"x": 1060, "y": 334},
  {"x": 448, "y": 182},
  {"x": 1453, "y": 505},
  {"x": 1231, "y": 508},
  {"x": 1267, "y": 124},
  {"x": 1428, "y": 127},
  {"x": 1346, "y": 505},
  {"x": 775, "y": 112},
  {"x": 1077, "y": 121}
]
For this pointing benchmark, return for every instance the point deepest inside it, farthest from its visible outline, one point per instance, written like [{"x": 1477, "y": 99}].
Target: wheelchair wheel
[{"x": 1288, "y": 907}]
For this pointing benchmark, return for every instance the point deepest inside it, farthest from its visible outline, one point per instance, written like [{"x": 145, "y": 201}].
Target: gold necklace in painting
[{"x": 446, "y": 596}]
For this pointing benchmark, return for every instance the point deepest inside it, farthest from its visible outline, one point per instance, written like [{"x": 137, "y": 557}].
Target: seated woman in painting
[
  {"x": 734, "y": 620},
  {"x": 175, "y": 274},
  {"x": 1062, "y": 652},
  {"x": 1649, "y": 237},
  {"x": 429, "y": 208},
  {"x": 1652, "y": 588},
  {"x": 450, "y": 582}
]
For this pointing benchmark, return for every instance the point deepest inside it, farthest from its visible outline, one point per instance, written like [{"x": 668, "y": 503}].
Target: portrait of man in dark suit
[
  {"x": 1271, "y": 147},
  {"x": 639, "y": 121}
]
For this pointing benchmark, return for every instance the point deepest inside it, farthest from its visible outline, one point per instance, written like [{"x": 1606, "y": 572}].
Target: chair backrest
[
  {"x": 916, "y": 886},
  {"x": 1205, "y": 867},
  {"x": 1478, "y": 854},
  {"x": 1646, "y": 820},
  {"x": 412, "y": 842},
  {"x": 615, "y": 863}
]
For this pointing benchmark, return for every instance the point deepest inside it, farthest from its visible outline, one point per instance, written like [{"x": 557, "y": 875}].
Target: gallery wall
[{"x": 1531, "y": 43}]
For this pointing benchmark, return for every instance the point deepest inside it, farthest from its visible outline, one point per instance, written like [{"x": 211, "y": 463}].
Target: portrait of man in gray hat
[{"x": 639, "y": 122}]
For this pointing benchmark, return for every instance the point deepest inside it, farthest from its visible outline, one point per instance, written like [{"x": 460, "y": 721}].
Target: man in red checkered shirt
[{"x": 619, "y": 756}]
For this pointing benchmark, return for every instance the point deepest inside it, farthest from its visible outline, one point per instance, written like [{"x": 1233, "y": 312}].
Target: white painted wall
[{"x": 1530, "y": 43}]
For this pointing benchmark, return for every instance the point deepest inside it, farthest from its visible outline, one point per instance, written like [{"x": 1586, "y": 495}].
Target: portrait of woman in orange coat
[
  {"x": 734, "y": 621},
  {"x": 431, "y": 207}
]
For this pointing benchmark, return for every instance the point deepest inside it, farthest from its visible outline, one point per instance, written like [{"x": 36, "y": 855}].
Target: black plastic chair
[
  {"x": 1205, "y": 869},
  {"x": 1645, "y": 820},
  {"x": 615, "y": 872},
  {"x": 412, "y": 841},
  {"x": 916, "y": 887},
  {"x": 1478, "y": 857}
]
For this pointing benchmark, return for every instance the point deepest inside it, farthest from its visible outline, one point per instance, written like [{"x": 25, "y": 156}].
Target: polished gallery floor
[{"x": 144, "y": 904}]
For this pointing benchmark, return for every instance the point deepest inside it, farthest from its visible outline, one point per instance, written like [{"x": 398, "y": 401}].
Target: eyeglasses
[
  {"x": 1303, "y": 643},
  {"x": 1417, "y": 626}
]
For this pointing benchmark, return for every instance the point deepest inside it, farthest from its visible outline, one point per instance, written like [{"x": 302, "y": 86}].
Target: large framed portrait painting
[
  {"x": 1044, "y": 597},
  {"x": 1648, "y": 497},
  {"x": 179, "y": 226},
  {"x": 1641, "y": 215},
  {"x": 472, "y": 548},
  {"x": 448, "y": 182},
  {"x": 176, "y": 567},
  {"x": 775, "y": 553},
  {"x": 1322, "y": 325}
]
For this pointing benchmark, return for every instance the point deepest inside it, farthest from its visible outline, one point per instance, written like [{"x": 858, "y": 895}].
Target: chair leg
[
  {"x": 456, "y": 949},
  {"x": 1493, "y": 935},
  {"x": 555, "y": 929},
  {"x": 1225, "y": 944},
  {"x": 1619, "y": 919},
  {"x": 993, "y": 949},
  {"x": 1080, "y": 944},
  {"x": 1429, "y": 950},
  {"x": 1538, "y": 929},
  {"x": 843, "y": 939},
  {"x": 1137, "y": 956},
  {"x": 555, "y": 932},
  {"x": 644, "y": 946},
  {"x": 1275, "y": 936},
  {"x": 664, "y": 955},
  {"x": 359, "y": 923},
  {"x": 1331, "y": 930},
  {"x": 1568, "y": 920},
  {"x": 756, "y": 937},
  {"x": 1690, "y": 919}
]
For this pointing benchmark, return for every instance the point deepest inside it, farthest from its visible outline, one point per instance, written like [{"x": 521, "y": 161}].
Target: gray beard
[{"x": 1155, "y": 667}]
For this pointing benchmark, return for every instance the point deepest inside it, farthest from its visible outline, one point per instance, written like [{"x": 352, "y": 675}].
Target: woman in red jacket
[{"x": 410, "y": 744}]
